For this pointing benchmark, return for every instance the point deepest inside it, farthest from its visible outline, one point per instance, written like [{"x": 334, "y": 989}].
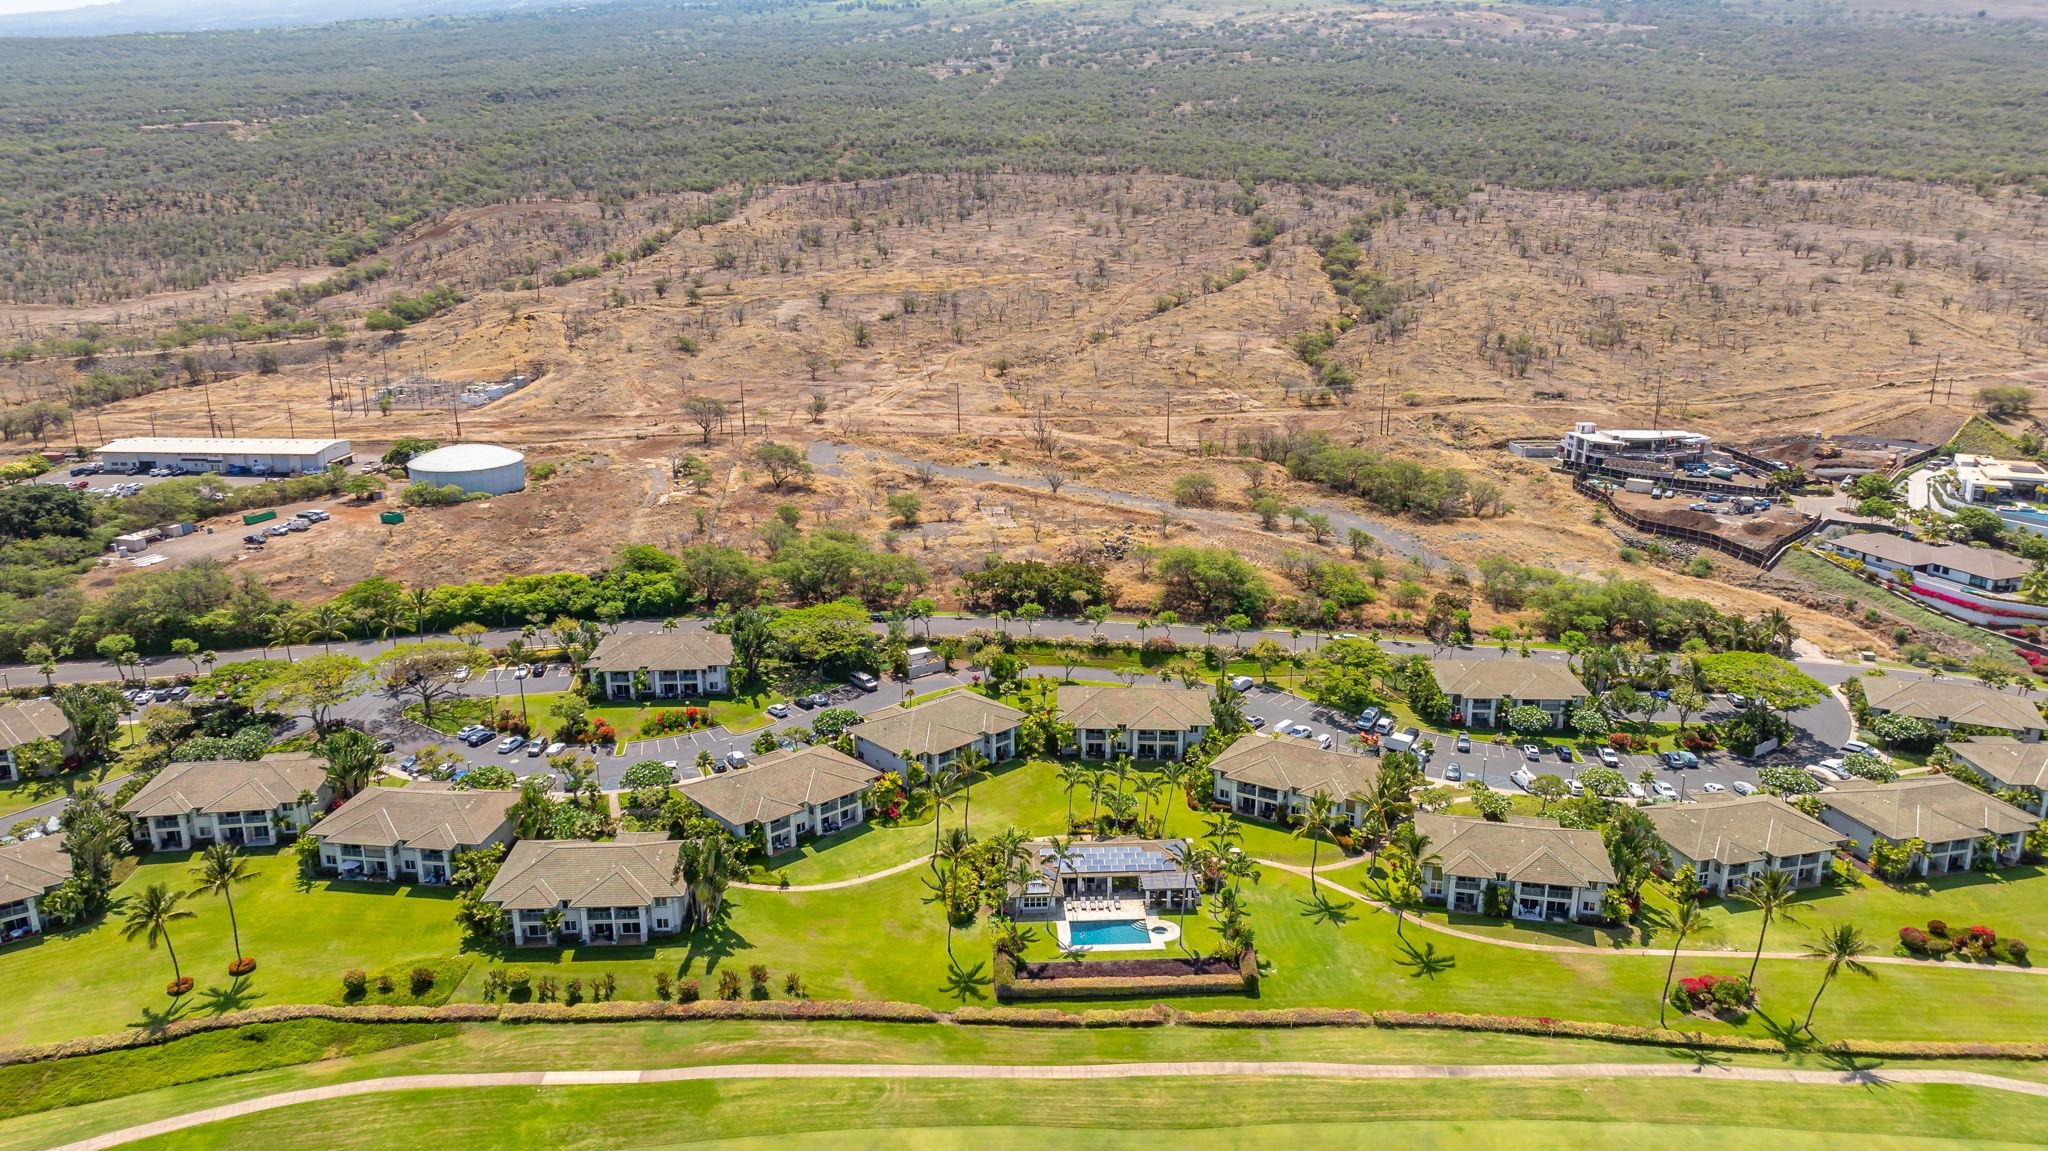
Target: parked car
[
  {"x": 181, "y": 691},
  {"x": 864, "y": 681},
  {"x": 1532, "y": 752},
  {"x": 1564, "y": 754},
  {"x": 535, "y": 748},
  {"x": 1301, "y": 730},
  {"x": 1858, "y": 747},
  {"x": 735, "y": 758},
  {"x": 1712, "y": 788},
  {"x": 1256, "y": 721},
  {"x": 317, "y": 515},
  {"x": 1575, "y": 787},
  {"x": 1737, "y": 700},
  {"x": 510, "y": 744},
  {"x": 1635, "y": 791},
  {"x": 1464, "y": 742},
  {"x": 1740, "y": 787},
  {"x": 408, "y": 763},
  {"x": 1323, "y": 741},
  {"x": 297, "y": 526},
  {"x": 778, "y": 710},
  {"x": 384, "y": 746},
  {"x": 1367, "y": 718},
  {"x": 461, "y": 674},
  {"x": 822, "y": 700},
  {"x": 1680, "y": 759},
  {"x": 1610, "y": 757},
  {"x": 521, "y": 672},
  {"x": 1384, "y": 726},
  {"x": 1823, "y": 773},
  {"x": 1453, "y": 773},
  {"x": 1523, "y": 777},
  {"x": 558, "y": 747},
  {"x": 255, "y": 539},
  {"x": 1664, "y": 790},
  {"x": 479, "y": 737},
  {"x": 804, "y": 701}
]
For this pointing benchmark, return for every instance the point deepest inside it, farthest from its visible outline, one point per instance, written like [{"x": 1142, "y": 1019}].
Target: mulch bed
[{"x": 1125, "y": 969}]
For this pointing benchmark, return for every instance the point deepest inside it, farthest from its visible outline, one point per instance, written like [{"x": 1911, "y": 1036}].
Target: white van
[
  {"x": 1241, "y": 683},
  {"x": 1323, "y": 741}
]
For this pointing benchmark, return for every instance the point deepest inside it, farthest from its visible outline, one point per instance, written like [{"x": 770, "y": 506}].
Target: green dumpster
[
  {"x": 258, "y": 517},
  {"x": 390, "y": 517}
]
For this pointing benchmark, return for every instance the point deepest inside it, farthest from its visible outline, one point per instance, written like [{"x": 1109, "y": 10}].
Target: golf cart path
[
  {"x": 1066, "y": 1071},
  {"x": 1652, "y": 952},
  {"x": 837, "y": 884}
]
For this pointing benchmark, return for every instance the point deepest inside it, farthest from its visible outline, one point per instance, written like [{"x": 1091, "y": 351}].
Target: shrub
[
  {"x": 2015, "y": 951},
  {"x": 384, "y": 984},
  {"x": 664, "y": 985},
  {"x": 1937, "y": 928},
  {"x": 1939, "y": 947},
  {"x": 241, "y": 967},
  {"x": 545, "y": 991},
  {"x": 1979, "y": 938},
  {"x": 1725, "y": 993},
  {"x": 182, "y": 985},
  {"x": 519, "y": 979},
  {"x": 1914, "y": 940},
  {"x": 793, "y": 986},
  {"x": 728, "y": 984},
  {"x": 757, "y": 975},
  {"x": 494, "y": 984},
  {"x": 422, "y": 981},
  {"x": 354, "y": 982},
  {"x": 686, "y": 991},
  {"x": 572, "y": 992}
]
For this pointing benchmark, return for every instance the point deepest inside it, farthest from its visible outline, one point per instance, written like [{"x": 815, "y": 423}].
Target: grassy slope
[{"x": 1230, "y": 1112}]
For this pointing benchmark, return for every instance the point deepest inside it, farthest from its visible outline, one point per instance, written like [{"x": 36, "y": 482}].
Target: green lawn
[
  {"x": 1334, "y": 952},
  {"x": 2009, "y": 902},
  {"x": 1134, "y": 1113},
  {"x": 737, "y": 714}
]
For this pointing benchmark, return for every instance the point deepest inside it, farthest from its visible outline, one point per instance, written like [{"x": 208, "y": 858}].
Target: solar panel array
[{"x": 1098, "y": 858}]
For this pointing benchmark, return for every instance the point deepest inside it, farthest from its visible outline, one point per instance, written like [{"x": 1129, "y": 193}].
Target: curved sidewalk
[
  {"x": 837, "y": 884},
  {"x": 1041, "y": 1072}
]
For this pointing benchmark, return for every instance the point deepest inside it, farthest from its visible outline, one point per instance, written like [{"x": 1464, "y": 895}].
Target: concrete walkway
[
  {"x": 1043, "y": 1072},
  {"x": 837, "y": 884},
  {"x": 1589, "y": 949}
]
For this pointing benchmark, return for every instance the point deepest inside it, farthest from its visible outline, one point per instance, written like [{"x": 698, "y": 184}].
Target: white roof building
[{"x": 210, "y": 454}]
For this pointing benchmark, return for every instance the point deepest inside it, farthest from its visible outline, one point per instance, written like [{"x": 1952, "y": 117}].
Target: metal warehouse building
[
  {"x": 198, "y": 454},
  {"x": 478, "y": 468}
]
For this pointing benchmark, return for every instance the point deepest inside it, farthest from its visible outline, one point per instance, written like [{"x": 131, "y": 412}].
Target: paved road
[{"x": 1206, "y": 1071}]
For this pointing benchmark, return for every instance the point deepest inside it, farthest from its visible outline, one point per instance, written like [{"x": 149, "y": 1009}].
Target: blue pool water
[{"x": 1094, "y": 933}]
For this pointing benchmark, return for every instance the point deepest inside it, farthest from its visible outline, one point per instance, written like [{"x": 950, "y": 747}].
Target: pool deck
[{"x": 1105, "y": 910}]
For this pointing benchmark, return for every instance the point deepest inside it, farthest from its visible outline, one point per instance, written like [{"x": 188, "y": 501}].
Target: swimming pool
[{"x": 1098, "y": 932}]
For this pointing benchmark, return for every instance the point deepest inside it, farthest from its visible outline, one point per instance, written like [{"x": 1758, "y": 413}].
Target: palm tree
[
  {"x": 1098, "y": 778},
  {"x": 1177, "y": 774},
  {"x": 1151, "y": 788},
  {"x": 327, "y": 625},
  {"x": 1682, "y": 925},
  {"x": 1071, "y": 776},
  {"x": 969, "y": 763},
  {"x": 706, "y": 867},
  {"x": 1843, "y": 946},
  {"x": 1316, "y": 820},
  {"x": 1187, "y": 857},
  {"x": 283, "y": 632},
  {"x": 940, "y": 884},
  {"x": 150, "y": 917},
  {"x": 218, "y": 870},
  {"x": 532, "y": 812},
  {"x": 421, "y": 601},
  {"x": 1770, "y": 893},
  {"x": 1223, "y": 832},
  {"x": 954, "y": 846},
  {"x": 942, "y": 784}
]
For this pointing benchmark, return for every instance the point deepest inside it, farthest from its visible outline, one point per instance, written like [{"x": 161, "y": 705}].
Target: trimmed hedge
[
  {"x": 1157, "y": 1015},
  {"x": 1123, "y": 979}
]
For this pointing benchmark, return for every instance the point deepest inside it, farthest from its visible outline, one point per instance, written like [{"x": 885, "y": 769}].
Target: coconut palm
[
  {"x": 1071, "y": 776},
  {"x": 1316, "y": 820},
  {"x": 1770, "y": 893},
  {"x": 940, "y": 885},
  {"x": 953, "y": 847},
  {"x": 326, "y": 625},
  {"x": 533, "y": 812},
  {"x": 219, "y": 869},
  {"x": 706, "y": 867},
  {"x": 1684, "y": 923},
  {"x": 1177, "y": 775},
  {"x": 283, "y": 632},
  {"x": 1188, "y": 857},
  {"x": 942, "y": 784},
  {"x": 969, "y": 764},
  {"x": 421, "y": 601},
  {"x": 1098, "y": 779},
  {"x": 150, "y": 917},
  {"x": 1843, "y": 946}
]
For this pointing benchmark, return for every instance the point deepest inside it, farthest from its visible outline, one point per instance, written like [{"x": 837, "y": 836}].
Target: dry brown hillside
[{"x": 1111, "y": 331}]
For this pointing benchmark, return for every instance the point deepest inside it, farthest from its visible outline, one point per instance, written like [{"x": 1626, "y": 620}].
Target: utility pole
[
  {"x": 291, "y": 424},
  {"x": 1169, "y": 415},
  {"x": 956, "y": 407},
  {"x": 743, "y": 409}
]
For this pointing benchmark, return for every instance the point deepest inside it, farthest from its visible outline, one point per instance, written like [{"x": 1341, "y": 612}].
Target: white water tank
[{"x": 481, "y": 468}]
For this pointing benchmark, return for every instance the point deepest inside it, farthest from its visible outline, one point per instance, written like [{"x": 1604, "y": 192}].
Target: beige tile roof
[
  {"x": 685, "y": 649},
  {"x": 224, "y": 785},
  {"x": 32, "y": 867},
  {"x": 1295, "y": 765},
  {"x": 1954, "y": 700},
  {"x": 2011, "y": 762},
  {"x": 1934, "y": 808},
  {"x": 425, "y": 815},
  {"x": 1991, "y": 565},
  {"x": 1526, "y": 850},
  {"x": 1740, "y": 829},
  {"x": 1145, "y": 707},
  {"x": 780, "y": 783},
  {"x": 630, "y": 871},
  {"x": 1505, "y": 678},
  {"x": 938, "y": 726},
  {"x": 31, "y": 720}
]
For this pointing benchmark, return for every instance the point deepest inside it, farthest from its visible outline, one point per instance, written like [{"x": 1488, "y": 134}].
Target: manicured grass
[
  {"x": 647, "y": 1045},
  {"x": 23, "y": 794},
  {"x": 737, "y": 714},
  {"x": 2009, "y": 902},
  {"x": 29, "y": 1087},
  {"x": 89, "y": 980},
  {"x": 1618, "y": 1113}
]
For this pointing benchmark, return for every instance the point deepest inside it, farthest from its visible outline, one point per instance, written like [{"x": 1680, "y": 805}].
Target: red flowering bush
[
  {"x": 1712, "y": 992},
  {"x": 670, "y": 720},
  {"x": 1914, "y": 939},
  {"x": 1937, "y": 928}
]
